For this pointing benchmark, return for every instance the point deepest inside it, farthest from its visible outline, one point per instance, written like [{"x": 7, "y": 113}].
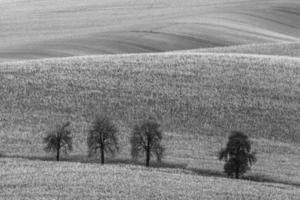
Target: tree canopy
[{"x": 237, "y": 155}]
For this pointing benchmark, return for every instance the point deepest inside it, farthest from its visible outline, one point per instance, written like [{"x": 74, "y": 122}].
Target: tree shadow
[
  {"x": 207, "y": 172},
  {"x": 268, "y": 179},
  {"x": 75, "y": 158},
  {"x": 249, "y": 177},
  {"x": 118, "y": 161},
  {"x": 95, "y": 160}
]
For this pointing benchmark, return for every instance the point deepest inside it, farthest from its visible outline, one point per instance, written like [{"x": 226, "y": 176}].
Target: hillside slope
[
  {"x": 54, "y": 28},
  {"x": 197, "y": 92}
]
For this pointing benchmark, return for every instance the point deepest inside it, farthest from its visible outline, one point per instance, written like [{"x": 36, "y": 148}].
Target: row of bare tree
[
  {"x": 102, "y": 139},
  {"x": 145, "y": 141}
]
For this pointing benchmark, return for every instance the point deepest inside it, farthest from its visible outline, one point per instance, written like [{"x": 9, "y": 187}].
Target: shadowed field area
[{"x": 54, "y": 28}]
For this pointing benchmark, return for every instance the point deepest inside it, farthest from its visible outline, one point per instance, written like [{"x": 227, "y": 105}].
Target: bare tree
[
  {"x": 237, "y": 155},
  {"x": 146, "y": 139},
  {"x": 102, "y": 137},
  {"x": 58, "y": 139}
]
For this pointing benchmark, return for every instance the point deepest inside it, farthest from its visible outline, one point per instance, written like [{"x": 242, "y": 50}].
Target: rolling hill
[{"x": 54, "y": 28}]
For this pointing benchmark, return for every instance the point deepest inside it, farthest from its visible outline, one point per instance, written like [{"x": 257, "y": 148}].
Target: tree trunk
[
  {"x": 58, "y": 149},
  {"x": 237, "y": 169},
  {"x": 57, "y": 154},
  {"x": 236, "y": 174},
  {"x": 102, "y": 154},
  {"x": 147, "y": 157}
]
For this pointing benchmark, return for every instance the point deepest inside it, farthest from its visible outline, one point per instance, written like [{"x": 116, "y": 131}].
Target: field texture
[
  {"x": 23, "y": 179},
  {"x": 199, "y": 98},
  {"x": 55, "y": 28},
  {"x": 278, "y": 49}
]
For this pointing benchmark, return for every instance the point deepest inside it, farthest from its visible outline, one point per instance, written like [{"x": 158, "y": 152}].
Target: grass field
[{"x": 54, "y": 28}]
